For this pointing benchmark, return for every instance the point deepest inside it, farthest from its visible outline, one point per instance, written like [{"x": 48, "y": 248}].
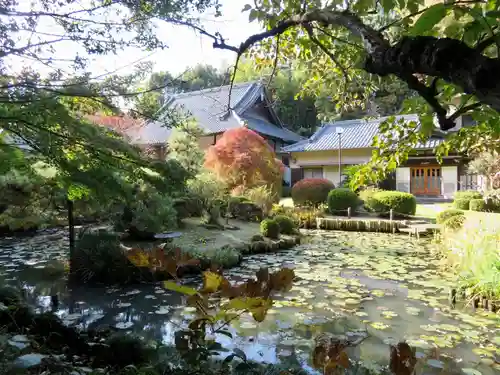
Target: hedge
[
  {"x": 468, "y": 194},
  {"x": 286, "y": 224},
  {"x": 461, "y": 204},
  {"x": 367, "y": 197},
  {"x": 454, "y": 222},
  {"x": 446, "y": 214},
  {"x": 478, "y": 205},
  {"x": 400, "y": 202},
  {"x": 339, "y": 200},
  {"x": 270, "y": 228},
  {"x": 311, "y": 191}
]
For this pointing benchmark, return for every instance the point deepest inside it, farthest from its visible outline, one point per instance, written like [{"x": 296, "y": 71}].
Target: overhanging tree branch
[{"x": 445, "y": 58}]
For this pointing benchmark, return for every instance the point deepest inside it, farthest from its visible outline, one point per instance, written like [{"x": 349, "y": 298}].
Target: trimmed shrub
[
  {"x": 455, "y": 222},
  {"x": 339, "y": 200},
  {"x": 446, "y": 214},
  {"x": 461, "y": 204},
  {"x": 270, "y": 228},
  {"x": 286, "y": 224},
  {"x": 468, "y": 194},
  {"x": 367, "y": 197},
  {"x": 400, "y": 202},
  {"x": 311, "y": 191},
  {"x": 478, "y": 205}
]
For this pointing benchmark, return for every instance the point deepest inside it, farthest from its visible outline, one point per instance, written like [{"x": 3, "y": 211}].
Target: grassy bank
[{"x": 474, "y": 253}]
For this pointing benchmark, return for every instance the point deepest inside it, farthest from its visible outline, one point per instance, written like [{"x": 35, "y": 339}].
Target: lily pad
[
  {"x": 435, "y": 363},
  {"x": 379, "y": 325},
  {"x": 471, "y": 371},
  {"x": 124, "y": 325}
]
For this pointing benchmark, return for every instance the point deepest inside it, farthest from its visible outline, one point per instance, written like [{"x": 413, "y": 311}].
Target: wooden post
[
  {"x": 71, "y": 229},
  {"x": 348, "y": 212},
  {"x": 391, "y": 214}
]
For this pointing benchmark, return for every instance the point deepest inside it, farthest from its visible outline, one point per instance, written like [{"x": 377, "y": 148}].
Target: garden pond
[{"x": 387, "y": 286}]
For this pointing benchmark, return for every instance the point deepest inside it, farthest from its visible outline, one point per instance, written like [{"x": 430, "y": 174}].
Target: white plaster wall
[
  {"x": 332, "y": 173},
  {"x": 449, "y": 181},
  {"x": 403, "y": 179}
]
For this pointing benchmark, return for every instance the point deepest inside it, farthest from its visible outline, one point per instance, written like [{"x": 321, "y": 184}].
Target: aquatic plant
[{"x": 474, "y": 253}]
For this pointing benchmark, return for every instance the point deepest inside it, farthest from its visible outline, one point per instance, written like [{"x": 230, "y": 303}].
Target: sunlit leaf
[
  {"x": 211, "y": 282},
  {"x": 170, "y": 285},
  {"x": 428, "y": 19},
  {"x": 138, "y": 257}
]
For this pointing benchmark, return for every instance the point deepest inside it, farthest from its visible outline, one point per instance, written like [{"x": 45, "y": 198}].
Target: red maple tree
[{"x": 243, "y": 159}]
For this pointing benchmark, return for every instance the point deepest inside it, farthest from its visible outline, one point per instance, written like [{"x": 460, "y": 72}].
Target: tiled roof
[
  {"x": 209, "y": 109},
  {"x": 124, "y": 125},
  {"x": 264, "y": 127},
  {"x": 356, "y": 134}
]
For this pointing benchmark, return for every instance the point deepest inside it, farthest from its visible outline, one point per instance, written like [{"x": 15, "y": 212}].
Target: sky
[{"x": 186, "y": 47}]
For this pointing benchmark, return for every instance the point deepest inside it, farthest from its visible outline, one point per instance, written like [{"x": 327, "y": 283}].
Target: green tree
[
  {"x": 48, "y": 112},
  {"x": 184, "y": 147},
  {"x": 158, "y": 84},
  {"x": 447, "y": 53}
]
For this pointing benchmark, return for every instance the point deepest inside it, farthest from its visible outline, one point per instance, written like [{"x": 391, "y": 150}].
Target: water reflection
[{"x": 347, "y": 283}]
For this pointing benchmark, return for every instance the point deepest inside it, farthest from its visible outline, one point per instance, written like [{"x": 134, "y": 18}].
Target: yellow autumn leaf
[
  {"x": 211, "y": 282},
  {"x": 259, "y": 311},
  {"x": 170, "y": 285},
  {"x": 138, "y": 258}
]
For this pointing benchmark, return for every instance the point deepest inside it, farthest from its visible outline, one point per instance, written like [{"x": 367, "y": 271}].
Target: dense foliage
[
  {"x": 339, "y": 200},
  {"x": 366, "y": 196},
  {"x": 461, "y": 203},
  {"x": 478, "y": 205},
  {"x": 184, "y": 147},
  {"x": 472, "y": 252},
  {"x": 311, "y": 191},
  {"x": 400, "y": 202},
  {"x": 454, "y": 223},
  {"x": 353, "y": 50},
  {"x": 463, "y": 198},
  {"x": 242, "y": 159},
  {"x": 286, "y": 224},
  {"x": 270, "y": 228},
  {"x": 446, "y": 214}
]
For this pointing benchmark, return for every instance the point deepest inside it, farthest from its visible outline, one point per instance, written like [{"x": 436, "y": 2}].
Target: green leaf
[
  {"x": 493, "y": 14},
  {"x": 226, "y": 333},
  {"x": 170, "y": 285},
  {"x": 429, "y": 19},
  {"x": 254, "y": 14},
  {"x": 247, "y": 7},
  {"x": 240, "y": 353},
  {"x": 388, "y": 5}
]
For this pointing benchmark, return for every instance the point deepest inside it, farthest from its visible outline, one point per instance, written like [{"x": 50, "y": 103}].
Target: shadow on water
[{"x": 346, "y": 283}]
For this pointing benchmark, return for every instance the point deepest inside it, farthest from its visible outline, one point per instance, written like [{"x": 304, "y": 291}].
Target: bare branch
[{"x": 276, "y": 58}]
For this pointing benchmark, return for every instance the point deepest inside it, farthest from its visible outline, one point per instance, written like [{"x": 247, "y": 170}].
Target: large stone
[{"x": 246, "y": 211}]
